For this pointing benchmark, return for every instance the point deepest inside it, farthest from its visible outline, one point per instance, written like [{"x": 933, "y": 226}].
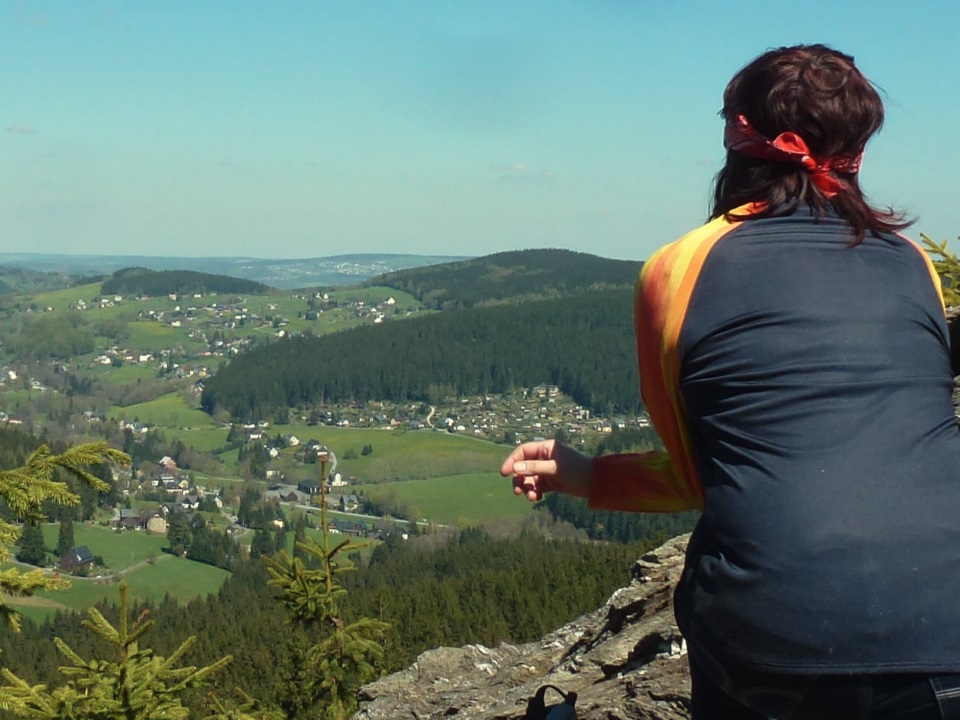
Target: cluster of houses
[
  {"x": 377, "y": 530},
  {"x": 153, "y": 520},
  {"x": 531, "y": 413},
  {"x": 186, "y": 497},
  {"x": 218, "y": 319},
  {"x": 310, "y": 489},
  {"x": 312, "y": 450},
  {"x": 169, "y": 478},
  {"x": 321, "y": 301},
  {"x": 102, "y": 302}
]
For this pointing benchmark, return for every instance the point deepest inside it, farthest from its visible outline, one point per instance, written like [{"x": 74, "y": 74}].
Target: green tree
[
  {"x": 300, "y": 536},
  {"x": 179, "y": 533},
  {"x": 262, "y": 544},
  {"x": 348, "y": 654},
  {"x": 947, "y": 265},
  {"x": 32, "y": 550},
  {"x": 65, "y": 540},
  {"x": 247, "y": 708}
]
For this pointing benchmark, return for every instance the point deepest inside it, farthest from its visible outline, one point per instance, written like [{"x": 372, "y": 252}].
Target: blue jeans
[{"x": 725, "y": 692}]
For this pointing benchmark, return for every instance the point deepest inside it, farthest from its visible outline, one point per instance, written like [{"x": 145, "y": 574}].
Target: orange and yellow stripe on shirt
[{"x": 660, "y": 481}]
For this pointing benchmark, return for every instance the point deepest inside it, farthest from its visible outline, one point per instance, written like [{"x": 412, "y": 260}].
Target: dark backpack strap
[
  {"x": 537, "y": 708},
  {"x": 947, "y": 690}
]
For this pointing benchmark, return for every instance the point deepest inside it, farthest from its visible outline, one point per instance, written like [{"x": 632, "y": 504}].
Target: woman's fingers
[
  {"x": 528, "y": 451},
  {"x": 528, "y": 486},
  {"x": 533, "y": 467}
]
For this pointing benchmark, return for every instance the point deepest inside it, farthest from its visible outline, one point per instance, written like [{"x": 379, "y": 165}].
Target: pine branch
[{"x": 947, "y": 265}]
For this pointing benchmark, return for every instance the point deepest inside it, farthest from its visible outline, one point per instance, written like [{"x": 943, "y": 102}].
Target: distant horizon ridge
[
  {"x": 4, "y": 255},
  {"x": 279, "y": 273}
]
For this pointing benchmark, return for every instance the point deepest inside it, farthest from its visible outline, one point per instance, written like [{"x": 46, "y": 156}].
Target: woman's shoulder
[{"x": 687, "y": 253}]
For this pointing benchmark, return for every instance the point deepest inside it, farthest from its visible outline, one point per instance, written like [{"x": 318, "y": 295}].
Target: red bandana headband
[{"x": 740, "y": 136}]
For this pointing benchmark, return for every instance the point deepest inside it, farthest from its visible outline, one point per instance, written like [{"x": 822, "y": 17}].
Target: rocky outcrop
[{"x": 626, "y": 661}]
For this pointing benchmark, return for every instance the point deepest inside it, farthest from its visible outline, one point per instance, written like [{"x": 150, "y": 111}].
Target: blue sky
[{"x": 305, "y": 129}]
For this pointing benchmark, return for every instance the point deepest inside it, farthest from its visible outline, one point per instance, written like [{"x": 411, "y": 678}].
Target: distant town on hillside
[{"x": 284, "y": 273}]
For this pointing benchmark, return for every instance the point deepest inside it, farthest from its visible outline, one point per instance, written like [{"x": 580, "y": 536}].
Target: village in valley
[{"x": 150, "y": 353}]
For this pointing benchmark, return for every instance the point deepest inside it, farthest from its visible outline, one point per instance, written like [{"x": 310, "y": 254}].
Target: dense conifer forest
[
  {"x": 583, "y": 344},
  {"x": 618, "y": 526},
  {"x": 141, "y": 281},
  {"x": 434, "y": 590},
  {"x": 15, "y": 446},
  {"x": 508, "y": 276}
]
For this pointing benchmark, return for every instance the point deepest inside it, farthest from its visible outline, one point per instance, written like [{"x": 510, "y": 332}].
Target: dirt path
[{"x": 37, "y": 602}]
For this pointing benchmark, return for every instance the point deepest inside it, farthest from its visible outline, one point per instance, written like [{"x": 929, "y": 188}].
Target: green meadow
[
  {"x": 137, "y": 557},
  {"x": 182, "y": 579},
  {"x": 470, "y": 499},
  {"x": 154, "y": 336},
  {"x": 398, "y": 454},
  {"x": 204, "y": 439},
  {"x": 126, "y": 374},
  {"x": 118, "y": 550},
  {"x": 64, "y": 299},
  {"x": 373, "y": 295},
  {"x": 169, "y": 411}
]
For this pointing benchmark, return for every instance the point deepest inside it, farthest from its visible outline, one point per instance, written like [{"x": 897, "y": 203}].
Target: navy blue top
[{"x": 816, "y": 378}]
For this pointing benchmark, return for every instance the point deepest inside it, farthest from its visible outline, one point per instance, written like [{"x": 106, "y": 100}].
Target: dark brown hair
[{"x": 819, "y": 94}]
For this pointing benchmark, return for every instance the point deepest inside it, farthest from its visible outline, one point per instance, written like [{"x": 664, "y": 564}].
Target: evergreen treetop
[
  {"x": 348, "y": 654},
  {"x": 137, "y": 685}
]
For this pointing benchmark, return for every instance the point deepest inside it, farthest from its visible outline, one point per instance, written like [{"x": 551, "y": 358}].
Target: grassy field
[
  {"x": 156, "y": 336},
  {"x": 396, "y": 456},
  {"x": 400, "y": 455},
  {"x": 374, "y": 295},
  {"x": 168, "y": 411},
  {"x": 471, "y": 499},
  {"x": 153, "y": 336},
  {"x": 201, "y": 438},
  {"x": 138, "y": 557},
  {"x": 119, "y": 552},
  {"x": 182, "y": 579},
  {"x": 63, "y": 299},
  {"x": 126, "y": 374}
]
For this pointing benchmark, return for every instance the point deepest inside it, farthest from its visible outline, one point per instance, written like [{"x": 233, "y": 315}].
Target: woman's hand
[{"x": 548, "y": 466}]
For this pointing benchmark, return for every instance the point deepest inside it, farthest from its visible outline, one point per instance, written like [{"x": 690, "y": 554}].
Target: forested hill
[
  {"x": 583, "y": 344},
  {"x": 506, "y": 276},
  {"x": 18, "y": 280},
  {"x": 141, "y": 281}
]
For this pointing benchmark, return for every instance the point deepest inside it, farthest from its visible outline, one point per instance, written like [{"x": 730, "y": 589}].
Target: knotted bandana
[{"x": 740, "y": 136}]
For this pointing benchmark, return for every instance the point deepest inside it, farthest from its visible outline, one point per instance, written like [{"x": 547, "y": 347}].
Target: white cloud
[
  {"x": 21, "y": 129},
  {"x": 521, "y": 171}
]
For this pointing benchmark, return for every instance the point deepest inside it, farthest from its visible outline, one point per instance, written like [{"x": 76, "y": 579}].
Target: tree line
[
  {"x": 583, "y": 344},
  {"x": 510, "y": 276},
  {"x": 141, "y": 281},
  {"x": 621, "y": 527}
]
